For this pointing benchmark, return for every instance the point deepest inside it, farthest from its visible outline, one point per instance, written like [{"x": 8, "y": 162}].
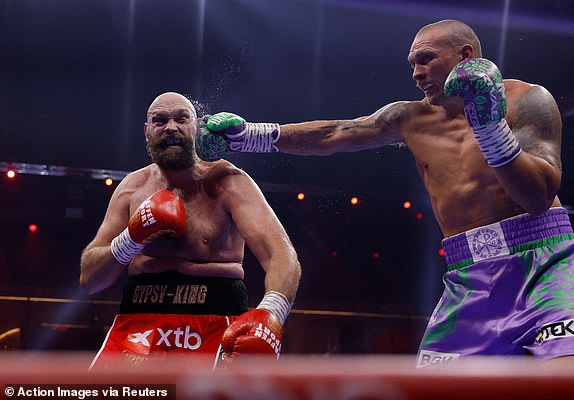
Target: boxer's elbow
[
  {"x": 530, "y": 184},
  {"x": 92, "y": 286},
  {"x": 85, "y": 284},
  {"x": 537, "y": 209},
  {"x": 89, "y": 274},
  {"x": 296, "y": 271},
  {"x": 538, "y": 206},
  {"x": 541, "y": 201},
  {"x": 295, "y": 276},
  {"x": 89, "y": 285}
]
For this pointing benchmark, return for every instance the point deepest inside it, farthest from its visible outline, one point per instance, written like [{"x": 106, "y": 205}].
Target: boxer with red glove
[
  {"x": 161, "y": 213},
  {"x": 259, "y": 331},
  {"x": 181, "y": 295}
]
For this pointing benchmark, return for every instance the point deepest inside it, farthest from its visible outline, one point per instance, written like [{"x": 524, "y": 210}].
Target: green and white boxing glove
[
  {"x": 479, "y": 82},
  {"x": 225, "y": 132}
]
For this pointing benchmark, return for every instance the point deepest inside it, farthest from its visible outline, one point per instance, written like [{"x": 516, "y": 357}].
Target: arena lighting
[
  {"x": 11, "y": 174},
  {"x": 300, "y": 195},
  {"x": 354, "y": 201},
  {"x": 33, "y": 228},
  {"x": 8, "y": 333},
  {"x": 415, "y": 8},
  {"x": 56, "y": 170},
  {"x": 118, "y": 175},
  {"x": 419, "y": 216},
  {"x": 109, "y": 181},
  {"x": 441, "y": 252},
  {"x": 407, "y": 204}
]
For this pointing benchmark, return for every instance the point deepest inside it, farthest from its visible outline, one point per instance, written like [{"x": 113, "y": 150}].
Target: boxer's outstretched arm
[
  {"x": 225, "y": 133},
  {"x": 328, "y": 137}
]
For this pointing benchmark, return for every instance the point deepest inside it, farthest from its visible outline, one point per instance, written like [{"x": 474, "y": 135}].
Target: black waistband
[{"x": 174, "y": 293}]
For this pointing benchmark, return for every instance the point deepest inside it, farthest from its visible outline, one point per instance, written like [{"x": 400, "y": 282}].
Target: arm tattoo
[{"x": 537, "y": 125}]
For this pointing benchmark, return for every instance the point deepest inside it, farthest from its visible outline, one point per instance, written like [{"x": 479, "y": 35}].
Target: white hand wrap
[
  {"x": 124, "y": 249},
  {"x": 277, "y": 304},
  {"x": 497, "y": 143},
  {"x": 256, "y": 138}
]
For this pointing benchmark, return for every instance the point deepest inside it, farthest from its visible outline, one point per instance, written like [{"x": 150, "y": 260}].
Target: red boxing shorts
[{"x": 168, "y": 315}]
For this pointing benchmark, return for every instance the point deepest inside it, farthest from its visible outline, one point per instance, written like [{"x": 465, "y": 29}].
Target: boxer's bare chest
[
  {"x": 463, "y": 190},
  {"x": 209, "y": 227}
]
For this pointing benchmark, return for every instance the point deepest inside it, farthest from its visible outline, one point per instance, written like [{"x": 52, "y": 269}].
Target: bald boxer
[
  {"x": 488, "y": 151},
  {"x": 178, "y": 227}
]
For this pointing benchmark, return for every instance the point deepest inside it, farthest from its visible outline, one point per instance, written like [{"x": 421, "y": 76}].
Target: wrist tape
[
  {"x": 124, "y": 248},
  {"x": 277, "y": 304},
  {"x": 497, "y": 143},
  {"x": 256, "y": 138}
]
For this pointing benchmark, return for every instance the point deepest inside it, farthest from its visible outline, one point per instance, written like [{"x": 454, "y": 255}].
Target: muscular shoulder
[
  {"x": 397, "y": 112},
  {"x": 516, "y": 86},
  {"x": 529, "y": 104},
  {"x": 218, "y": 171},
  {"x": 533, "y": 115},
  {"x": 136, "y": 186},
  {"x": 220, "y": 177},
  {"x": 520, "y": 94},
  {"x": 136, "y": 178},
  {"x": 134, "y": 182},
  {"x": 387, "y": 122}
]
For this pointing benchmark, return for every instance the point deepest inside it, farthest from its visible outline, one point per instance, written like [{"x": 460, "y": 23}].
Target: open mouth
[
  {"x": 171, "y": 141},
  {"x": 426, "y": 87}
]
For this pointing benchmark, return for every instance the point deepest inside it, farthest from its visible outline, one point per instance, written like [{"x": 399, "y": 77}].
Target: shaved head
[
  {"x": 453, "y": 34},
  {"x": 171, "y": 98}
]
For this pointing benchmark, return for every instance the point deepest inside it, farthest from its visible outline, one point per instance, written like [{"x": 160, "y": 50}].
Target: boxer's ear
[
  {"x": 466, "y": 51},
  {"x": 145, "y": 130}
]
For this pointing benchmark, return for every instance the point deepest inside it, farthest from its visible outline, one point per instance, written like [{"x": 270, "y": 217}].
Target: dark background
[{"x": 76, "y": 78}]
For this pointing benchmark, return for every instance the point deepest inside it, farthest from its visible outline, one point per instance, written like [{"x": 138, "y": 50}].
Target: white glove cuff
[
  {"x": 497, "y": 143},
  {"x": 257, "y": 138},
  {"x": 124, "y": 249},
  {"x": 277, "y": 304}
]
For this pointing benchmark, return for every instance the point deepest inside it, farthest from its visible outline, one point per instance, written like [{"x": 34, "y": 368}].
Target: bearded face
[
  {"x": 170, "y": 132},
  {"x": 172, "y": 151}
]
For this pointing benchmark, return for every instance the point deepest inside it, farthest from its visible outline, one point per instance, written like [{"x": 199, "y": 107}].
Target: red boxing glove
[
  {"x": 161, "y": 213},
  {"x": 254, "y": 332}
]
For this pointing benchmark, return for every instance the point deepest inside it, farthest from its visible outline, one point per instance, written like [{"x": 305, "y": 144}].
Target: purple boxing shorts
[{"x": 509, "y": 290}]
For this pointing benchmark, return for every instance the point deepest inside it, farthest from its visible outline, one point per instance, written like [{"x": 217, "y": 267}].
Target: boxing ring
[
  {"x": 372, "y": 273},
  {"x": 41, "y": 374},
  {"x": 327, "y": 354},
  {"x": 292, "y": 377}
]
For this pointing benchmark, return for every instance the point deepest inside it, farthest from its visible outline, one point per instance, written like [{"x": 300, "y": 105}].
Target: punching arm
[{"x": 225, "y": 133}]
